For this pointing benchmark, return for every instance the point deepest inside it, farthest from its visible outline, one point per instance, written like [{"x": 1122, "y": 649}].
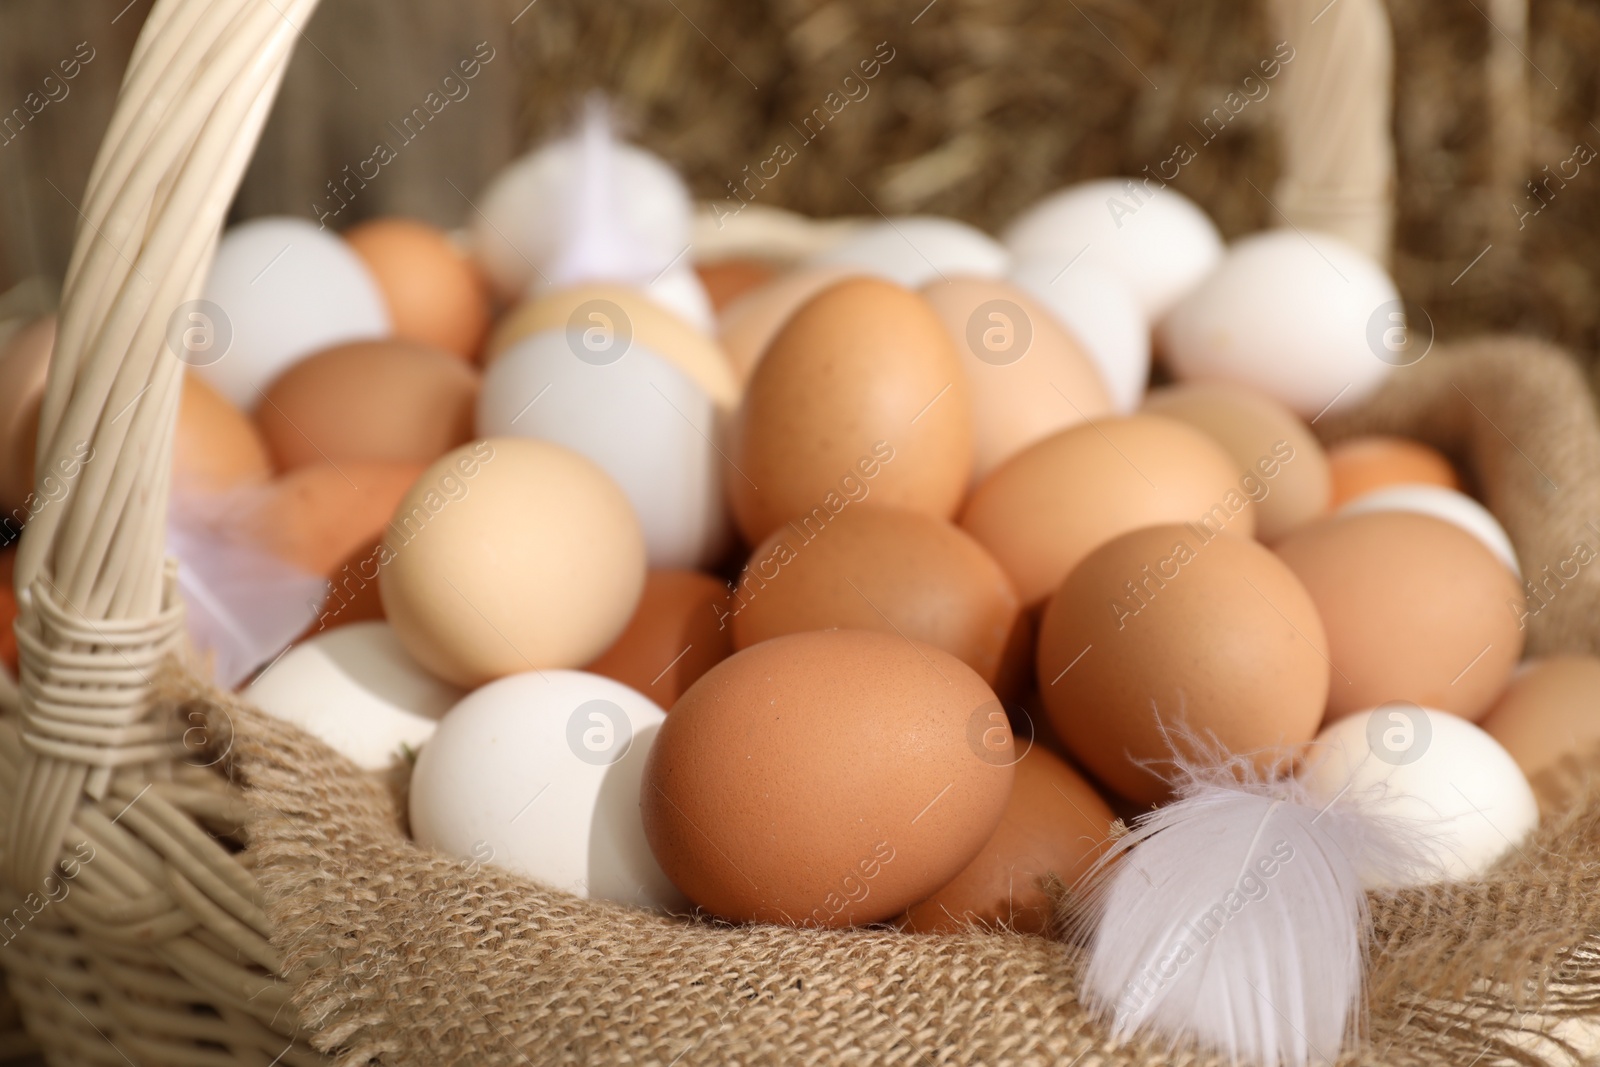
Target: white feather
[
  {"x": 1235, "y": 918},
  {"x": 242, "y": 605},
  {"x": 597, "y": 245}
]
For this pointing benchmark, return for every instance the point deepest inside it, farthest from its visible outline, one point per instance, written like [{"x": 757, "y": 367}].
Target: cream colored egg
[{"x": 510, "y": 555}]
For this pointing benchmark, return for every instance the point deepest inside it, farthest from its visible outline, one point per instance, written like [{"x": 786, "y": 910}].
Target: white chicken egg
[
  {"x": 1460, "y": 793},
  {"x": 356, "y": 689},
  {"x": 539, "y": 773},
  {"x": 1299, "y": 316},
  {"x": 637, "y": 416},
  {"x": 279, "y": 290},
  {"x": 1158, "y": 241},
  {"x": 1098, "y": 308},
  {"x": 916, "y": 250}
]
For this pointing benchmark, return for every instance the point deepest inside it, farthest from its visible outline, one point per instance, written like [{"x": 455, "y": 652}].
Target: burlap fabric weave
[{"x": 401, "y": 956}]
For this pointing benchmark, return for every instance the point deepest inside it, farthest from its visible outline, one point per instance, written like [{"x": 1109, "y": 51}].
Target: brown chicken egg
[
  {"x": 678, "y": 632},
  {"x": 1282, "y": 466},
  {"x": 727, "y": 280},
  {"x": 860, "y": 396},
  {"x": 747, "y": 326},
  {"x": 353, "y": 594},
  {"x": 1027, "y": 375},
  {"x": 880, "y": 568},
  {"x": 1551, "y": 709},
  {"x": 435, "y": 295},
  {"x": 24, "y": 363},
  {"x": 216, "y": 447},
  {"x": 316, "y": 516},
  {"x": 1054, "y": 825},
  {"x": 1416, "y": 609},
  {"x": 1161, "y": 634},
  {"x": 1053, "y": 503},
  {"x": 370, "y": 401},
  {"x": 1362, "y": 464},
  {"x": 825, "y": 779}
]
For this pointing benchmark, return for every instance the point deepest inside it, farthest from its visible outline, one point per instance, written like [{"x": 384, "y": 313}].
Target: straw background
[{"x": 986, "y": 105}]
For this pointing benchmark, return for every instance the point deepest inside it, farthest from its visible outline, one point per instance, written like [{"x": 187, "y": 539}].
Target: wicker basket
[{"x": 147, "y": 938}]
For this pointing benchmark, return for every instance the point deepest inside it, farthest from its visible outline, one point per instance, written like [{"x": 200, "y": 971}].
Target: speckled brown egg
[
  {"x": 860, "y": 396},
  {"x": 1282, "y": 466},
  {"x": 382, "y": 401},
  {"x": 877, "y": 568},
  {"x": 1055, "y": 825},
  {"x": 1416, "y": 609},
  {"x": 678, "y": 632},
  {"x": 1053, "y": 503},
  {"x": 825, "y": 779},
  {"x": 1160, "y": 632}
]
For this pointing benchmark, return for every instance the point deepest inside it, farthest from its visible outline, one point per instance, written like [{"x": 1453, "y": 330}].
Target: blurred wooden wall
[
  {"x": 360, "y": 66},
  {"x": 44, "y": 165}
]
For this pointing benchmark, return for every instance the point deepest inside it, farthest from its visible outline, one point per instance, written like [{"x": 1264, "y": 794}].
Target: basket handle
[
  {"x": 99, "y": 610},
  {"x": 1335, "y": 121}
]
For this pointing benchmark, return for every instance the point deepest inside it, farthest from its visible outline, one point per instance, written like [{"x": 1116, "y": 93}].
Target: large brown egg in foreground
[
  {"x": 1416, "y": 609},
  {"x": 1055, "y": 825},
  {"x": 859, "y": 396},
  {"x": 1159, "y": 633},
  {"x": 825, "y": 779}
]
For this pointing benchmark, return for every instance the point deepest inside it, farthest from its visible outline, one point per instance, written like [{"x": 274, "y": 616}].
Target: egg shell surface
[
  {"x": 539, "y": 774},
  {"x": 825, "y": 779}
]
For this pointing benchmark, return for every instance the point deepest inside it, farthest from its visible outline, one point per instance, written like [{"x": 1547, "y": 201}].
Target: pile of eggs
[{"x": 872, "y": 588}]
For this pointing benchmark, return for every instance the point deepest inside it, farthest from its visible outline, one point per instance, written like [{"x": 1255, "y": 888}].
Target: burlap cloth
[{"x": 402, "y": 956}]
